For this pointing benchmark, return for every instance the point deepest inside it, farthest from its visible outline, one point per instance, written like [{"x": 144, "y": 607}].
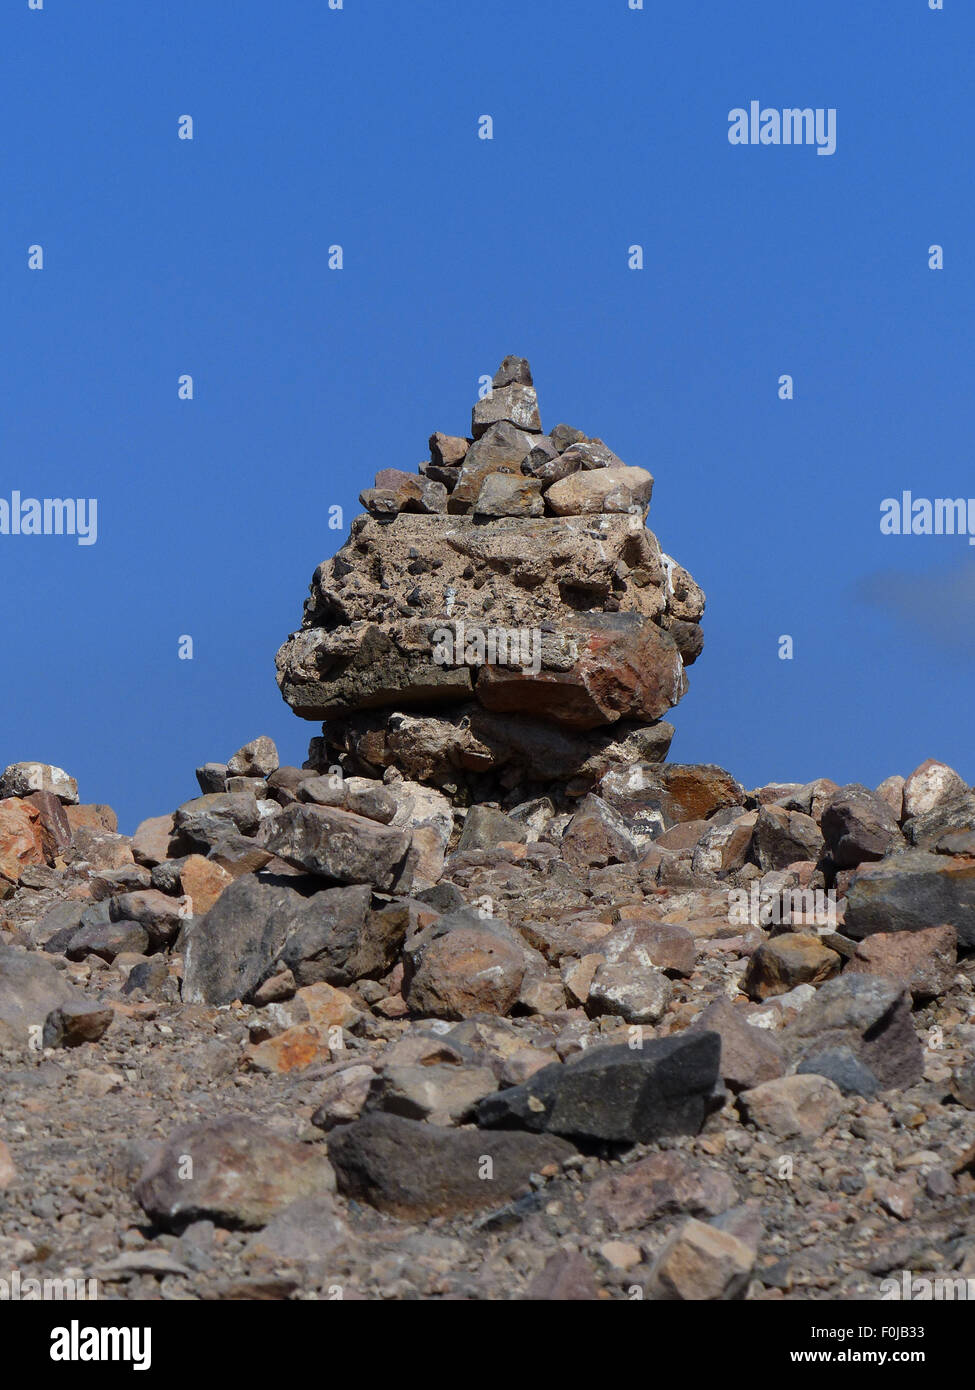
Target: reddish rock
[
  {"x": 787, "y": 961},
  {"x": 665, "y": 1184},
  {"x": 55, "y": 823},
  {"x": 749, "y": 1055},
  {"x": 924, "y": 961},
  {"x": 202, "y": 882},
  {"x": 150, "y": 843},
  {"x": 21, "y": 838},
  {"x": 466, "y": 972},
  {"x": 626, "y": 666},
  {"x": 93, "y": 815}
]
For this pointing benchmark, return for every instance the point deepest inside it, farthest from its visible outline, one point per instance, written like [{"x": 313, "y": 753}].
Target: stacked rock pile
[{"x": 501, "y": 620}]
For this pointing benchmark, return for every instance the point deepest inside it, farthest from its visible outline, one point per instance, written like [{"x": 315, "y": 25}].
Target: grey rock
[
  {"x": 231, "y": 1171},
  {"x": 841, "y": 1066},
  {"x": 623, "y": 1094},
  {"x": 259, "y": 758},
  {"x": 411, "y": 1169}
]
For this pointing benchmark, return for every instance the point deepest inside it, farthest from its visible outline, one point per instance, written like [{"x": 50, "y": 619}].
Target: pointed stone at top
[
  {"x": 512, "y": 398},
  {"x": 514, "y": 371}
]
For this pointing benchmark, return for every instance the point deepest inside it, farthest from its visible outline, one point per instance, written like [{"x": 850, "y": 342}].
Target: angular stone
[
  {"x": 344, "y": 1096},
  {"x": 868, "y": 1014},
  {"x": 912, "y": 891},
  {"x": 601, "y": 490},
  {"x": 858, "y": 825},
  {"x": 21, "y": 838},
  {"x": 843, "y": 1068},
  {"x": 411, "y": 1169},
  {"x": 514, "y": 404},
  {"x": 212, "y": 778},
  {"x": 625, "y": 666},
  {"x": 229, "y": 951},
  {"x": 665, "y": 1184},
  {"x": 514, "y": 371},
  {"x": 340, "y": 846},
  {"x": 201, "y": 822},
  {"x": 108, "y": 940},
  {"x": 31, "y": 987},
  {"x": 749, "y": 1055},
  {"x": 448, "y": 450},
  {"x": 485, "y": 828},
  {"x": 444, "y": 1094},
  {"x": 781, "y": 837},
  {"x": 596, "y": 835},
  {"x": 931, "y": 785},
  {"x": 634, "y": 993},
  {"x": 891, "y": 790},
  {"x": 232, "y": 1171},
  {"x": 650, "y": 945},
  {"x": 620, "y": 1094},
  {"x": 923, "y": 961},
  {"x": 333, "y": 936},
  {"x": 786, "y": 961},
  {"x": 563, "y": 436},
  {"x": 74, "y": 1023},
  {"x": 202, "y": 881},
  {"x": 54, "y": 823},
  {"x": 701, "y": 1263},
  {"x": 693, "y": 791},
  {"x": 501, "y": 447},
  {"x": 804, "y": 1105},
  {"x": 160, "y": 916},
  {"x": 509, "y": 494},
  {"x": 259, "y": 758},
  {"x": 20, "y": 779},
  {"x": 724, "y": 848},
  {"x": 465, "y": 972},
  {"x": 150, "y": 843}
]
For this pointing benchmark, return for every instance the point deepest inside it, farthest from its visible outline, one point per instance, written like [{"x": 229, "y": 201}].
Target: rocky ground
[
  {"x": 487, "y": 1000},
  {"x": 561, "y": 1071}
]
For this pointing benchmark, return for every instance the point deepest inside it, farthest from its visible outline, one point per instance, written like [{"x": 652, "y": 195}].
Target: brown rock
[
  {"x": 700, "y": 1262},
  {"x": 150, "y": 843},
  {"x": 21, "y": 838},
  {"x": 566, "y": 1278},
  {"x": 202, "y": 881},
  {"x": 448, "y": 450},
  {"x": 749, "y": 1055},
  {"x": 466, "y": 972},
  {"x": 803, "y": 1105},
  {"x": 94, "y": 816},
  {"x": 786, "y": 961},
  {"x": 923, "y": 961},
  {"x": 601, "y": 490},
  {"x": 665, "y": 1184}
]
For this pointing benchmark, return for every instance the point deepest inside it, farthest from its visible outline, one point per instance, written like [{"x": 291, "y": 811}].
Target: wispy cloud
[{"x": 939, "y": 604}]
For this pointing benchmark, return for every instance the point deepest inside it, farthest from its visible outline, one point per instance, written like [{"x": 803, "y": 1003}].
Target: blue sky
[{"x": 359, "y": 127}]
